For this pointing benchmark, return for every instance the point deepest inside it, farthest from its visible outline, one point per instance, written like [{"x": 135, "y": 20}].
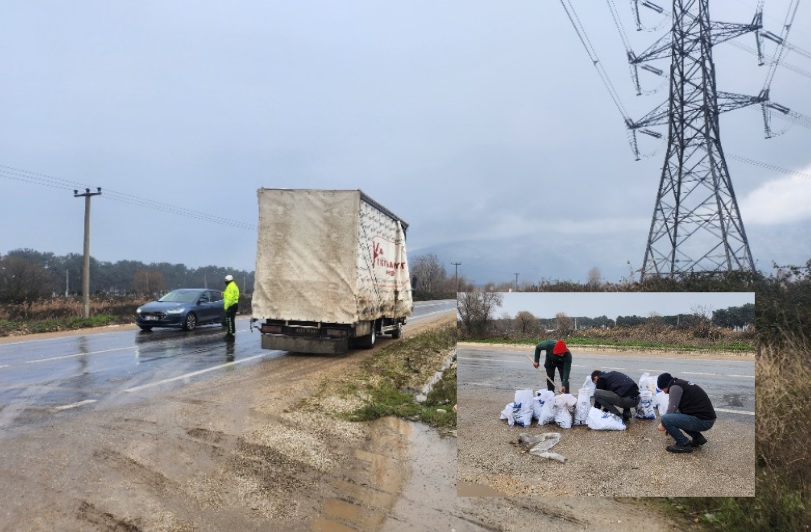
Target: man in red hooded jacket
[{"x": 557, "y": 356}]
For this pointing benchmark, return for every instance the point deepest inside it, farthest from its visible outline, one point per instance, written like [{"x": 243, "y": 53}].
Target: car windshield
[{"x": 180, "y": 296}]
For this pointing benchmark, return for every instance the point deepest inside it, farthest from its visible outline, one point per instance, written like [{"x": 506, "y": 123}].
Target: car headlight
[
  {"x": 138, "y": 310},
  {"x": 174, "y": 311}
]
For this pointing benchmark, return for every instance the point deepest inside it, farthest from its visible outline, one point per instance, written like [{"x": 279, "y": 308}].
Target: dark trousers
[
  {"x": 230, "y": 319},
  {"x": 611, "y": 401},
  {"x": 675, "y": 423},
  {"x": 550, "y": 372}
]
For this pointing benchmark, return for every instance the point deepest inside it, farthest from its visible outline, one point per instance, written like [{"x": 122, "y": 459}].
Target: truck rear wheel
[
  {"x": 368, "y": 342},
  {"x": 398, "y": 332}
]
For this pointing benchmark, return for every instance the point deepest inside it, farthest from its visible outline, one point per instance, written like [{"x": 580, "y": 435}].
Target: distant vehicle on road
[{"x": 185, "y": 308}]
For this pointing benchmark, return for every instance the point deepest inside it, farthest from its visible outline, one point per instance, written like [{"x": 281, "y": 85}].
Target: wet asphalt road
[
  {"x": 40, "y": 378},
  {"x": 729, "y": 383}
]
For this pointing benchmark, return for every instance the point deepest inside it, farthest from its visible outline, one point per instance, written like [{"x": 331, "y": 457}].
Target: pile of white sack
[{"x": 566, "y": 410}]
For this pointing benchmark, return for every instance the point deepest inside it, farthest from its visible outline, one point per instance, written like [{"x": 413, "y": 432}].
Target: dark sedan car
[{"x": 185, "y": 308}]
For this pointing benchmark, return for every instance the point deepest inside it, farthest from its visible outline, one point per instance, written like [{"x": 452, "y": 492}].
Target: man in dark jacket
[
  {"x": 557, "y": 356},
  {"x": 688, "y": 409},
  {"x": 615, "y": 389}
]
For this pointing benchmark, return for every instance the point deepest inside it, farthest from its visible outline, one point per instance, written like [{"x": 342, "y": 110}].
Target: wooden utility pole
[
  {"x": 86, "y": 262},
  {"x": 456, "y": 275}
]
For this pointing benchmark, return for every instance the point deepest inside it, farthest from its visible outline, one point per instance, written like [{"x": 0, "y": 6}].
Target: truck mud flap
[{"x": 318, "y": 346}]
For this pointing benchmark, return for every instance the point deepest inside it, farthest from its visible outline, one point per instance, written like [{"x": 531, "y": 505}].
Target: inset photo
[{"x": 607, "y": 394}]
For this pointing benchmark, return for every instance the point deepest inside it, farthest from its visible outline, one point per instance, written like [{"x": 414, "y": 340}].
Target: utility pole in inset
[
  {"x": 67, "y": 282},
  {"x": 86, "y": 263},
  {"x": 456, "y": 275}
]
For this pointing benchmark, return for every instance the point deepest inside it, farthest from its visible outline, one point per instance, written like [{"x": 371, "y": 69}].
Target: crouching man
[
  {"x": 688, "y": 409},
  {"x": 613, "y": 390}
]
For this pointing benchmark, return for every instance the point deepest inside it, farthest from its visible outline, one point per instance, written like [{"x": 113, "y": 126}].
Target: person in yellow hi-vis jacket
[{"x": 231, "y": 302}]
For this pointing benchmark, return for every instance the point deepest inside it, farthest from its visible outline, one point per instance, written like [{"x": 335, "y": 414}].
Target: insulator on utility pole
[{"x": 86, "y": 261}]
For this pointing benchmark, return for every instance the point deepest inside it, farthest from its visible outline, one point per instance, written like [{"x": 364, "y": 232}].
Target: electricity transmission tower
[{"x": 696, "y": 226}]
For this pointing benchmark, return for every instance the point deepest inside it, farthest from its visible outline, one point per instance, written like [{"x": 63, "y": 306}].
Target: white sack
[
  {"x": 551, "y": 456},
  {"x": 519, "y": 412},
  {"x": 645, "y": 408},
  {"x": 647, "y": 383},
  {"x": 507, "y": 414},
  {"x": 599, "y": 420},
  {"x": 523, "y": 397},
  {"x": 564, "y": 404},
  {"x": 581, "y": 412},
  {"x": 662, "y": 400},
  {"x": 540, "y": 443},
  {"x": 590, "y": 386},
  {"x": 546, "y": 398}
]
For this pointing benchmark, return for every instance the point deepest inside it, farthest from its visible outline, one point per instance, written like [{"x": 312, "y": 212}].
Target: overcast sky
[
  {"x": 483, "y": 124},
  {"x": 613, "y": 304}
]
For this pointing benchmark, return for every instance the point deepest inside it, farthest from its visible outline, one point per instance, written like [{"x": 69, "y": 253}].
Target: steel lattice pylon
[{"x": 696, "y": 225}]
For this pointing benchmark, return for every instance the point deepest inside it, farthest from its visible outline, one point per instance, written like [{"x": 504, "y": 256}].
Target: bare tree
[
  {"x": 594, "y": 277},
  {"x": 701, "y": 322},
  {"x": 564, "y": 325},
  {"x": 525, "y": 323},
  {"x": 429, "y": 274},
  {"x": 476, "y": 310},
  {"x": 22, "y": 282},
  {"x": 147, "y": 282}
]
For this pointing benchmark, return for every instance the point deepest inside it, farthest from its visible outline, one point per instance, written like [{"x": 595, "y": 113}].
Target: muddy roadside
[{"x": 237, "y": 451}]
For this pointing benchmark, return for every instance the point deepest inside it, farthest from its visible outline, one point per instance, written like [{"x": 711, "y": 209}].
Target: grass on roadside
[
  {"x": 736, "y": 346},
  {"x": 393, "y": 377},
  {"x": 782, "y": 423},
  {"x": 15, "y": 327}
]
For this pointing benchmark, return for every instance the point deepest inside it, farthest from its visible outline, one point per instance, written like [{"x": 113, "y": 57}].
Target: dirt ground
[
  {"x": 628, "y": 463},
  {"x": 238, "y": 453}
]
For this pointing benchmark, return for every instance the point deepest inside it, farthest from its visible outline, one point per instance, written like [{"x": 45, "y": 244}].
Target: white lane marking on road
[
  {"x": 722, "y": 374},
  {"x": 4, "y": 366},
  {"x": 734, "y": 411},
  {"x": 414, "y": 318},
  {"x": 74, "y": 405},
  {"x": 77, "y": 355},
  {"x": 733, "y": 375},
  {"x": 194, "y": 373}
]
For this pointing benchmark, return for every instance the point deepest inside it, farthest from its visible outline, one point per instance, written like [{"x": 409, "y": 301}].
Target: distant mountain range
[{"x": 570, "y": 257}]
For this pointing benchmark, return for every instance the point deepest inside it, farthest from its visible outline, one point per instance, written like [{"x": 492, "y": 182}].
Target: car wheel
[
  {"x": 145, "y": 327},
  {"x": 190, "y": 322}
]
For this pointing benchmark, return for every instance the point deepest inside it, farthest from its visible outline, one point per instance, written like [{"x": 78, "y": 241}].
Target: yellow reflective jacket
[{"x": 230, "y": 295}]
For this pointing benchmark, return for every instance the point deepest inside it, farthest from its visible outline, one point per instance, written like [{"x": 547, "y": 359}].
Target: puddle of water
[
  {"x": 423, "y": 395},
  {"x": 469, "y": 489},
  {"x": 428, "y": 499},
  {"x": 371, "y": 482},
  {"x": 732, "y": 399}
]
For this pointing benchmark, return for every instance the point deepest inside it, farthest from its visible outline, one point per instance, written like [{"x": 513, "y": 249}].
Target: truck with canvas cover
[{"x": 331, "y": 271}]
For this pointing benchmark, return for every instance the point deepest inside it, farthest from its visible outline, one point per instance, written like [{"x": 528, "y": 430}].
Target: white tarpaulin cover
[{"x": 328, "y": 256}]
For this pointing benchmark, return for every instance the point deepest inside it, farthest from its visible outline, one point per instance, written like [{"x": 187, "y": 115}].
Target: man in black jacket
[
  {"x": 689, "y": 409},
  {"x": 615, "y": 389}
]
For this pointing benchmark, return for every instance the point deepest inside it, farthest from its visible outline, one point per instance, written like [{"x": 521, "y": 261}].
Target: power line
[
  {"x": 584, "y": 39},
  {"x": 25, "y": 176},
  {"x": 781, "y": 48},
  {"x": 768, "y": 166}
]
